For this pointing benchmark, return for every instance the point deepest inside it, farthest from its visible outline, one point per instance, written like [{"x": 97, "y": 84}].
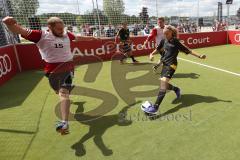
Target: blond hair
[
  {"x": 172, "y": 29},
  {"x": 161, "y": 19},
  {"x": 52, "y": 21}
]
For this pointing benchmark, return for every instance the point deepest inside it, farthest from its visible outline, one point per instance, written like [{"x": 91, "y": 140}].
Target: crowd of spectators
[
  {"x": 219, "y": 26},
  {"x": 187, "y": 28},
  {"x": 140, "y": 29},
  {"x": 111, "y": 31}
]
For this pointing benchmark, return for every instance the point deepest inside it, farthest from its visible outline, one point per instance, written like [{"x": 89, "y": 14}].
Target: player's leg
[
  {"x": 65, "y": 103},
  {"x": 166, "y": 75},
  {"x": 175, "y": 89},
  {"x": 169, "y": 72},
  {"x": 162, "y": 92},
  {"x": 123, "y": 51},
  {"x": 127, "y": 50},
  {"x": 61, "y": 82},
  {"x": 64, "y": 95},
  {"x": 131, "y": 56},
  {"x": 152, "y": 109},
  {"x": 62, "y": 126}
]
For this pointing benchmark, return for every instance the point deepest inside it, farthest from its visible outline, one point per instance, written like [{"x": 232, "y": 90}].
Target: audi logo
[
  {"x": 5, "y": 65},
  {"x": 237, "y": 37}
]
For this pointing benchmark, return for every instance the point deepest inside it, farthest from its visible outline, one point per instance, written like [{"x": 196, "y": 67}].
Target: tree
[
  {"x": 114, "y": 10},
  {"x": 92, "y": 18},
  {"x": 23, "y": 9},
  {"x": 68, "y": 18},
  {"x": 144, "y": 15}
]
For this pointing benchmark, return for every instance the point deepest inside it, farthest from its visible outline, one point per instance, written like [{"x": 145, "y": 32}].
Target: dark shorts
[
  {"x": 125, "y": 47},
  {"x": 167, "y": 71},
  {"x": 61, "y": 80}
]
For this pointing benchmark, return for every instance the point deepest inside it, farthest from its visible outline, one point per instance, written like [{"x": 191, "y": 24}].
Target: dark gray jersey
[{"x": 170, "y": 50}]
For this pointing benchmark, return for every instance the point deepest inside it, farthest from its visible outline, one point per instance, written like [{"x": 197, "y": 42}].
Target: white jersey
[
  {"x": 54, "y": 49},
  {"x": 156, "y": 33},
  {"x": 159, "y": 35}
]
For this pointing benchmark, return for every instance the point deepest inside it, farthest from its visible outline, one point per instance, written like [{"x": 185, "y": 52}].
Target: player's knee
[
  {"x": 164, "y": 83},
  {"x": 63, "y": 94},
  {"x": 164, "y": 79}
]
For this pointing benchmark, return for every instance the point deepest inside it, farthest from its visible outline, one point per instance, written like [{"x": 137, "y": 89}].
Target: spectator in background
[
  {"x": 103, "y": 33},
  {"x": 146, "y": 30},
  {"x": 180, "y": 28},
  {"x": 193, "y": 28},
  {"x": 187, "y": 28},
  {"x": 88, "y": 30},
  {"x": 99, "y": 32},
  {"x": 219, "y": 26},
  {"x": 214, "y": 27},
  {"x": 70, "y": 28},
  {"x": 224, "y": 25},
  {"x": 135, "y": 30},
  {"x": 83, "y": 30},
  {"x": 110, "y": 31}
]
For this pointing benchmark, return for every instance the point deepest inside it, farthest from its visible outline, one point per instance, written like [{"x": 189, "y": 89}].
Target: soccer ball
[{"x": 146, "y": 105}]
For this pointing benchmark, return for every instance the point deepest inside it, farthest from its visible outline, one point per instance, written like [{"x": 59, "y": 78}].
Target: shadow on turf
[
  {"x": 16, "y": 131},
  {"x": 98, "y": 127},
  {"x": 188, "y": 100},
  {"x": 186, "y": 75},
  {"x": 19, "y": 87}
]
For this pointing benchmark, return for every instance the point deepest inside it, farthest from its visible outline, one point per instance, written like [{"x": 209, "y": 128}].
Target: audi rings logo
[
  {"x": 237, "y": 38},
  {"x": 5, "y": 65}
]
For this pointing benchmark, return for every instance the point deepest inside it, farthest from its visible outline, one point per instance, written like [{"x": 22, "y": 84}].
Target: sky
[{"x": 133, "y": 7}]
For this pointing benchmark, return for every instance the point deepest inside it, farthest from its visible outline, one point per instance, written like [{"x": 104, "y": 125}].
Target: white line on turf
[{"x": 215, "y": 68}]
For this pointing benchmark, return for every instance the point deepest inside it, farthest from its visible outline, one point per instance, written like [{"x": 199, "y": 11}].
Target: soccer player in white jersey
[
  {"x": 54, "y": 47},
  {"x": 157, "y": 33}
]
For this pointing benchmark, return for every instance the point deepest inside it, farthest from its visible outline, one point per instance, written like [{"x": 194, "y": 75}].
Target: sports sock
[
  {"x": 63, "y": 121},
  {"x": 123, "y": 57},
  {"x": 171, "y": 87},
  {"x": 160, "y": 98},
  {"x": 157, "y": 65},
  {"x": 133, "y": 59}
]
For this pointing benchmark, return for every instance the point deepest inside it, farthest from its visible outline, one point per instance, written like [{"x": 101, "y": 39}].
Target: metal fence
[{"x": 103, "y": 17}]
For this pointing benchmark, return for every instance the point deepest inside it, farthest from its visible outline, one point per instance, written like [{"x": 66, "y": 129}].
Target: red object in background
[
  {"x": 103, "y": 50},
  {"x": 29, "y": 57},
  {"x": 234, "y": 37},
  {"x": 8, "y": 64},
  {"x": 204, "y": 39}
]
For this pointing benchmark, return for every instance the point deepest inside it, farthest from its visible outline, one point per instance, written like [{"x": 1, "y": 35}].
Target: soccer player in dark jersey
[
  {"x": 125, "y": 43},
  {"x": 169, "y": 48}
]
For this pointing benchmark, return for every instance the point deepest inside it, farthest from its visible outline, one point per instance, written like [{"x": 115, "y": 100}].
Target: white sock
[{"x": 63, "y": 121}]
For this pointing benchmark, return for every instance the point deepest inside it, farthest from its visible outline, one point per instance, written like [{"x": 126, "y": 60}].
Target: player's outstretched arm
[
  {"x": 159, "y": 49},
  {"x": 12, "y": 25},
  {"x": 197, "y": 55},
  {"x": 151, "y": 55},
  {"x": 150, "y": 37},
  {"x": 186, "y": 50}
]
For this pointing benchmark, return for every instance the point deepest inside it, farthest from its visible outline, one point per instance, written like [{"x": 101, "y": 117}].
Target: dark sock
[
  {"x": 172, "y": 88},
  {"x": 133, "y": 59},
  {"x": 160, "y": 97},
  {"x": 123, "y": 57},
  {"x": 157, "y": 65}
]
